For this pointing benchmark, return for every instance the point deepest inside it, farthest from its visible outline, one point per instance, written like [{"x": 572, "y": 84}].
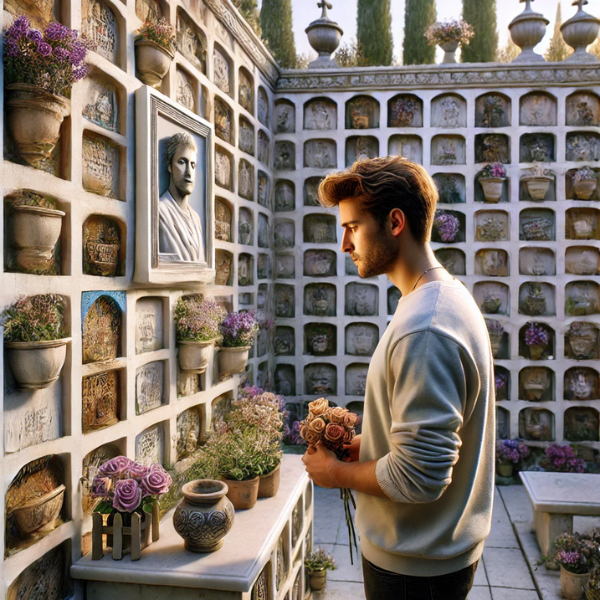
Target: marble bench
[{"x": 557, "y": 498}]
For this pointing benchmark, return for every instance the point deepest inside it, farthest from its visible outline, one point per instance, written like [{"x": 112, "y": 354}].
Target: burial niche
[
  {"x": 319, "y": 229},
  {"x": 393, "y": 297},
  {"x": 101, "y": 168},
  {"x": 264, "y": 148},
  {"x": 246, "y": 143},
  {"x": 148, "y": 324},
  {"x": 582, "y": 298},
  {"x": 285, "y": 156},
  {"x": 223, "y": 216},
  {"x": 285, "y": 380},
  {"x": 285, "y": 301},
  {"x": 263, "y": 106},
  {"x": 537, "y": 147},
  {"x": 320, "y": 379},
  {"x": 149, "y": 387},
  {"x": 583, "y": 146},
  {"x": 285, "y": 195},
  {"x": 246, "y": 90},
  {"x": 90, "y": 465},
  {"x": 264, "y": 268},
  {"x": 538, "y": 109},
  {"x": 284, "y": 343},
  {"x": 492, "y": 297},
  {"x": 582, "y": 224},
  {"x": 582, "y": 184},
  {"x": 264, "y": 236},
  {"x": 103, "y": 249},
  {"x": 499, "y": 339},
  {"x": 150, "y": 445},
  {"x": 537, "y": 298},
  {"x": 362, "y": 112},
  {"x": 222, "y": 70},
  {"x": 582, "y": 260},
  {"x": 320, "y": 263},
  {"x": 536, "y": 384},
  {"x": 101, "y": 328},
  {"x": 362, "y": 300},
  {"x": 448, "y": 227},
  {"x": 223, "y": 168},
  {"x": 537, "y": 261},
  {"x": 448, "y": 150},
  {"x": 491, "y": 262},
  {"x": 453, "y": 260},
  {"x": 449, "y": 111},
  {"x": 408, "y": 146},
  {"x": 502, "y": 423},
  {"x": 320, "y": 114},
  {"x": 492, "y": 148},
  {"x": 99, "y": 26},
  {"x": 452, "y": 188},
  {"x": 224, "y": 271},
  {"x": 502, "y": 383},
  {"x": 581, "y": 341},
  {"x": 100, "y": 400},
  {"x": 536, "y": 425},
  {"x": 537, "y": 225},
  {"x": 320, "y": 300},
  {"x": 536, "y": 341},
  {"x": 581, "y": 384},
  {"x": 246, "y": 180},
  {"x": 185, "y": 92},
  {"x": 359, "y": 147},
  {"x": 246, "y": 227},
  {"x": 285, "y": 234},
  {"x": 492, "y": 110},
  {"x": 320, "y": 339},
  {"x": 320, "y": 154},
  {"x": 356, "y": 379},
  {"x": 492, "y": 226},
  {"x": 361, "y": 339},
  {"x": 405, "y": 110},
  {"x": 245, "y": 269},
  {"x": 583, "y": 109},
  {"x": 285, "y": 266},
  {"x": 189, "y": 431},
  {"x": 311, "y": 191},
  {"x": 285, "y": 117},
  {"x": 581, "y": 424},
  {"x": 191, "y": 41},
  {"x": 101, "y": 102},
  {"x": 224, "y": 121}
]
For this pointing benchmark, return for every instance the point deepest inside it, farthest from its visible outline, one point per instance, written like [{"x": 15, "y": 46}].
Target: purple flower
[
  {"x": 44, "y": 49},
  {"x": 137, "y": 471},
  {"x": 34, "y": 35},
  {"x": 238, "y": 329},
  {"x": 56, "y": 32},
  {"x": 101, "y": 487},
  {"x": 115, "y": 467},
  {"x": 156, "y": 482},
  {"x": 60, "y": 53},
  {"x": 128, "y": 495},
  {"x": 536, "y": 335}
]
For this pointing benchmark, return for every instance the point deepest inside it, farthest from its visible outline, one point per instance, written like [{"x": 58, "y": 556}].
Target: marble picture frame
[{"x": 158, "y": 119}]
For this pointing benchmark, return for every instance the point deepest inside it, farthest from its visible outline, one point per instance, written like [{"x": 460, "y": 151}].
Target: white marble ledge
[
  {"x": 246, "y": 549},
  {"x": 564, "y": 493}
]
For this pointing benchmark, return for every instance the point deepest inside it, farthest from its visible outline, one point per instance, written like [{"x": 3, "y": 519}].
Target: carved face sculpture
[{"x": 183, "y": 170}]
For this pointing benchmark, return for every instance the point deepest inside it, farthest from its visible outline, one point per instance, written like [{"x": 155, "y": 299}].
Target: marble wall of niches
[
  {"x": 529, "y": 256},
  {"x": 121, "y": 390}
]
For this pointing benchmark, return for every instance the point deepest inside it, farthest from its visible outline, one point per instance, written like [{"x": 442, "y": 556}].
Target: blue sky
[{"x": 344, "y": 12}]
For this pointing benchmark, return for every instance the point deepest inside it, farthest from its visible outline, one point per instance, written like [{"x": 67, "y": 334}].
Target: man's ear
[
  {"x": 397, "y": 221},
  {"x": 169, "y": 166}
]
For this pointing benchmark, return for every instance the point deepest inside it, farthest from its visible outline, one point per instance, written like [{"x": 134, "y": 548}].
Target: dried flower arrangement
[
  {"x": 158, "y": 31},
  {"x": 495, "y": 170},
  {"x": 452, "y": 30},
  {"x": 34, "y": 319},
  {"x": 197, "y": 318},
  {"x": 584, "y": 174}
]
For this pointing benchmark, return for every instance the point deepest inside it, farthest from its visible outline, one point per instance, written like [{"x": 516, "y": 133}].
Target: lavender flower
[
  {"x": 35, "y": 36},
  {"x": 536, "y": 335},
  {"x": 197, "y": 319},
  {"x": 493, "y": 170},
  {"x": 238, "y": 329},
  {"x": 562, "y": 459},
  {"x": 511, "y": 451}
]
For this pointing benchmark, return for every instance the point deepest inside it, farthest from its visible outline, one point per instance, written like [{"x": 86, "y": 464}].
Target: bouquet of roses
[{"x": 334, "y": 427}]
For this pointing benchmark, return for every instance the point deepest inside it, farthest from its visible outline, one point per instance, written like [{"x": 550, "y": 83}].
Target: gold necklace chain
[{"x": 421, "y": 275}]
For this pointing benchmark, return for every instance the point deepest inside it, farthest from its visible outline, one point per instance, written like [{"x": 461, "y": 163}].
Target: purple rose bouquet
[
  {"x": 447, "y": 226},
  {"x": 536, "y": 335},
  {"x": 238, "y": 329},
  {"x": 493, "y": 170},
  {"x": 562, "y": 459},
  {"x": 125, "y": 486},
  {"x": 511, "y": 451},
  {"x": 53, "y": 60}
]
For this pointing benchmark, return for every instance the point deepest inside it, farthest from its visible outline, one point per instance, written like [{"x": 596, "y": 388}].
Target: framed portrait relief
[{"x": 174, "y": 238}]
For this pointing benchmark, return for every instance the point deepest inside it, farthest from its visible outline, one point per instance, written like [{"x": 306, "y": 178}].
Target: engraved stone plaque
[
  {"x": 185, "y": 91},
  {"x": 492, "y": 148},
  {"x": 246, "y": 91},
  {"x": 264, "y": 145},
  {"x": 101, "y": 247},
  {"x": 285, "y": 380},
  {"x": 449, "y": 111},
  {"x": 320, "y": 154},
  {"x": 356, "y": 379},
  {"x": 246, "y": 136},
  {"x": 284, "y": 233},
  {"x": 101, "y": 331},
  {"x": 491, "y": 297},
  {"x": 264, "y": 189},
  {"x": 319, "y": 229},
  {"x": 221, "y": 71},
  {"x": 537, "y": 261},
  {"x": 538, "y": 109},
  {"x": 448, "y": 150},
  {"x": 362, "y": 300},
  {"x": 101, "y": 166},
  {"x": 320, "y": 300},
  {"x": 537, "y": 225},
  {"x": 245, "y": 227},
  {"x": 150, "y": 446},
  {"x": 223, "y": 121},
  {"x": 359, "y": 147},
  {"x": 320, "y": 379},
  {"x": 405, "y": 110},
  {"x": 100, "y": 104},
  {"x": 582, "y": 224},
  {"x": 99, "y": 25},
  {"x": 191, "y": 42},
  {"x": 583, "y": 109},
  {"x": 320, "y": 263},
  {"x": 149, "y": 386},
  {"x": 148, "y": 9},
  {"x": 361, "y": 339},
  {"x": 492, "y": 110},
  {"x": 320, "y": 114},
  {"x": 246, "y": 180},
  {"x": 491, "y": 262},
  {"x": 491, "y": 226},
  {"x": 100, "y": 394},
  {"x": 223, "y": 169},
  {"x": 583, "y": 146},
  {"x": 188, "y": 432},
  {"x": 285, "y": 302},
  {"x": 311, "y": 191},
  {"x": 285, "y": 117},
  {"x": 148, "y": 325},
  {"x": 245, "y": 269},
  {"x": 452, "y": 188},
  {"x": 582, "y": 260},
  {"x": 44, "y": 579},
  {"x": 408, "y": 146},
  {"x": 263, "y": 106},
  {"x": 284, "y": 343},
  {"x": 285, "y": 156},
  {"x": 285, "y": 266},
  {"x": 453, "y": 260},
  {"x": 362, "y": 112},
  {"x": 222, "y": 220}
]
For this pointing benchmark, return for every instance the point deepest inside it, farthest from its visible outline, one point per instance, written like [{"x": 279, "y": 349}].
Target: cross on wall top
[
  {"x": 326, "y": 5},
  {"x": 580, "y": 3}
]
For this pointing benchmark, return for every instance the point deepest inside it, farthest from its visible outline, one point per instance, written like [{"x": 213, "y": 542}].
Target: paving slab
[
  {"x": 480, "y": 575},
  {"x": 506, "y": 568},
  {"x": 346, "y": 571},
  {"x": 513, "y": 594},
  {"x": 340, "y": 590},
  {"x": 480, "y": 592}
]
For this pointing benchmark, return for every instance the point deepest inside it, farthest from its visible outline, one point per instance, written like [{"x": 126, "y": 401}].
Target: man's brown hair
[{"x": 382, "y": 184}]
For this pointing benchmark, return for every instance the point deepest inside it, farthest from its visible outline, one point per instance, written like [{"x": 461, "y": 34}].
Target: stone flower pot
[
  {"x": 317, "y": 580},
  {"x": 38, "y": 515},
  {"x": 243, "y": 494},
  {"x": 492, "y": 188},
  {"x": 572, "y": 584},
  {"x": 584, "y": 188},
  {"x": 268, "y": 485},
  {"x": 36, "y": 365},
  {"x": 204, "y": 516},
  {"x": 232, "y": 360},
  {"x": 449, "y": 49},
  {"x": 505, "y": 469},
  {"x": 152, "y": 61},
  {"x": 34, "y": 120},
  {"x": 36, "y": 232},
  {"x": 195, "y": 355},
  {"x": 537, "y": 186}
]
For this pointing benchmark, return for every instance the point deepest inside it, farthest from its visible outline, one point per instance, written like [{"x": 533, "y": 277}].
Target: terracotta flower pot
[
  {"x": 492, "y": 188},
  {"x": 232, "y": 360},
  {"x": 243, "y": 494},
  {"x": 205, "y": 515},
  {"x": 36, "y": 365},
  {"x": 195, "y": 355},
  {"x": 572, "y": 584},
  {"x": 317, "y": 580},
  {"x": 38, "y": 515},
  {"x": 34, "y": 120},
  {"x": 537, "y": 186},
  {"x": 36, "y": 232},
  {"x": 584, "y": 188},
  {"x": 505, "y": 469},
  {"x": 152, "y": 61},
  {"x": 268, "y": 485}
]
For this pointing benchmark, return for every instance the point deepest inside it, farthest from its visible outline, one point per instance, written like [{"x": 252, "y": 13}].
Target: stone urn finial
[
  {"x": 527, "y": 30},
  {"x": 579, "y": 32},
  {"x": 324, "y": 36}
]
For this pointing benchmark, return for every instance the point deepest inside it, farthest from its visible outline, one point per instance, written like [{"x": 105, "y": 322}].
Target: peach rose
[
  {"x": 350, "y": 419},
  {"x": 318, "y": 407},
  {"x": 317, "y": 425},
  {"x": 310, "y": 436},
  {"x": 334, "y": 436},
  {"x": 336, "y": 414}
]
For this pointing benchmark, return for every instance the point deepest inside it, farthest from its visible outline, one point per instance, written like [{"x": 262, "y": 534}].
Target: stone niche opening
[
  {"x": 264, "y": 297},
  {"x": 537, "y": 261},
  {"x": 583, "y": 146},
  {"x": 191, "y": 42},
  {"x": 448, "y": 227},
  {"x": 264, "y": 266},
  {"x": 320, "y": 300},
  {"x": 320, "y": 379},
  {"x": 285, "y": 156},
  {"x": 499, "y": 338},
  {"x": 246, "y": 90},
  {"x": 320, "y": 263},
  {"x": 264, "y": 231},
  {"x": 220, "y": 406},
  {"x": 493, "y": 298},
  {"x": 537, "y": 147},
  {"x": 320, "y": 339},
  {"x": 570, "y": 187},
  {"x": 581, "y": 384},
  {"x": 264, "y": 147},
  {"x": 538, "y": 109},
  {"x": 449, "y": 111},
  {"x": 104, "y": 246},
  {"x": 104, "y": 102},
  {"x": 104, "y": 28},
  {"x": 583, "y": 109},
  {"x": 103, "y": 166},
  {"x": 320, "y": 229},
  {"x": 90, "y": 465},
  {"x": 223, "y": 168},
  {"x": 285, "y": 266},
  {"x": 537, "y": 351},
  {"x": 150, "y": 386},
  {"x": 101, "y": 400},
  {"x": 502, "y": 381},
  {"x": 582, "y": 260},
  {"x": 581, "y": 424},
  {"x": 492, "y": 226},
  {"x": 311, "y": 191},
  {"x": 246, "y": 140},
  {"x": 492, "y": 148},
  {"x": 362, "y": 112},
  {"x": 245, "y": 269},
  {"x": 224, "y": 270},
  {"x": 223, "y": 220},
  {"x": 285, "y": 195},
  {"x": 284, "y": 343},
  {"x": 356, "y": 379},
  {"x": 362, "y": 300},
  {"x": 581, "y": 341},
  {"x": 285, "y": 117},
  {"x": 537, "y": 298},
  {"x": 150, "y": 445},
  {"x": 35, "y": 502},
  {"x": 186, "y": 92},
  {"x": 536, "y": 425},
  {"x": 537, "y": 384},
  {"x": 222, "y": 70},
  {"x": 359, "y": 147},
  {"x": 246, "y": 180},
  {"x": 408, "y": 146},
  {"x": 263, "y": 106},
  {"x": 263, "y": 375},
  {"x": 246, "y": 227},
  {"x": 190, "y": 430},
  {"x": 479, "y": 195},
  {"x": 525, "y": 196},
  {"x": 149, "y": 319},
  {"x": 453, "y": 260},
  {"x": 582, "y": 298},
  {"x": 448, "y": 150},
  {"x": 393, "y": 297},
  {"x": 502, "y": 423},
  {"x": 405, "y": 110},
  {"x": 285, "y": 301},
  {"x": 285, "y": 234},
  {"x": 492, "y": 110},
  {"x": 102, "y": 314},
  {"x": 537, "y": 225},
  {"x": 223, "y": 119},
  {"x": 285, "y": 379},
  {"x": 320, "y": 114},
  {"x": 361, "y": 339},
  {"x": 452, "y": 188},
  {"x": 320, "y": 154},
  {"x": 582, "y": 224},
  {"x": 492, "y": 262}
]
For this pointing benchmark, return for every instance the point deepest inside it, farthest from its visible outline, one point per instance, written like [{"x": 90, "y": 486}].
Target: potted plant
[
  {"x": 539, "y": 181},
  {"x": 36, "y": 228},
  {"x": 562, "y": 459},
  {"x": 35, "y": 340},
  {"x": 536, "y": 339},
  {"x": 492, "y": 179},
  {"x": 154, "y": 50},
  {"x": 448, "y": 35},
  {"x": 508, "y": 454},
  {"x": 128, "y": 491},
  {"x": 40, "y": 70},
  {"x": 317, "y": 564},
  {"x": 575, "y": 554},
  {"x": 585, "y": 182},
  {"x": 447, "y": 226},
  {"x": 197, "y": 326},
  {"x": 592, "y": 588},
  {"x": 237, "y": 330}
]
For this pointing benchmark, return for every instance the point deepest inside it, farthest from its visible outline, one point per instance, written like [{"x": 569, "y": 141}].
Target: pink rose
[
  {"x": 128, "y": 495},
  {"x": 100, "y": 487},
  {"x": 156, "y": 482},
  {"x": 137, "y": 471},
  {"x": 115, "y": 467}
]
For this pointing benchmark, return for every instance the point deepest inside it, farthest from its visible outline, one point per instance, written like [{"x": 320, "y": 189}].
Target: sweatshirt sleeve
[{"x": 427, "y": 391}]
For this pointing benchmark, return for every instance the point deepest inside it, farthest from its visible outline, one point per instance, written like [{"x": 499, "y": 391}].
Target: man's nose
[{"x": 346, "y": 245}]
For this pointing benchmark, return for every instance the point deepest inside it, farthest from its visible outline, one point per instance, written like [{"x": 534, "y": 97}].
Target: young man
[{"x": 423, "y": 468}]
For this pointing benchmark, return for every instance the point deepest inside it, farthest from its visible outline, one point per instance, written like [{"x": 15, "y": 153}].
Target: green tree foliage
[
  {"x": 418, "y": 16},
  {"x": 557, "y": 49},
  {"x": 508, "y": 53},
  {"x": 374, "y": 31},
  {"x": 250, "y": 12},
  {"x": 351, "y": 55},
  {"x": 481, "y": 14},
  {"x": 277, "y": 33}
]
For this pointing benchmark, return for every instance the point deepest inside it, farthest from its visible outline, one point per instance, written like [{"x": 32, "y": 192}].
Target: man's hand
[
  {"x": 321, "y": 466},
  {"x": 353, "y": 449}
]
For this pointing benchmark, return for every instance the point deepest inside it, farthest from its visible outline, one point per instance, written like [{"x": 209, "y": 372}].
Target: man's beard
[
  {"x": 184, "y": 188},
  {"x": 379, "y": 259}
]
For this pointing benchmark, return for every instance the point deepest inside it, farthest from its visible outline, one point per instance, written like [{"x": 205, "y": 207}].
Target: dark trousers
[{"x": 385, "y": 585}]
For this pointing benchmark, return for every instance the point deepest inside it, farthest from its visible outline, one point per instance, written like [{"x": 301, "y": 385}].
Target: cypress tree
[
  {"x": 374, "y": 31},
  {"x": 277, "y": 33},
  {"x": 557, "y": 49},
  {"x": 481, "y": 14},
  {"x": 248, "y": 9},
  {"x": 418, "y": 16}
]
